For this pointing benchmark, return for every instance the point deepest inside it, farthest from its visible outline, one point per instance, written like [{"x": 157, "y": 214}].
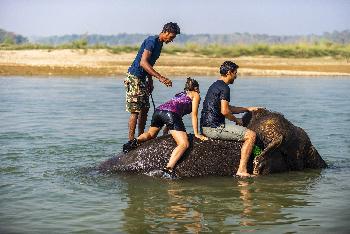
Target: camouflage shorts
[{"x": 137, "y": 96}]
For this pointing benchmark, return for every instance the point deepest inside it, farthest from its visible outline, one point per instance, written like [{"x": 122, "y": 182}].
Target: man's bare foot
[{"x": 244, "y": 174}]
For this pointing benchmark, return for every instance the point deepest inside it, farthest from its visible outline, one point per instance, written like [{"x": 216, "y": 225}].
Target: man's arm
[
  {"x": 238, "y": 110},
  {"x": 150, "y": 70},
  {"x": 226, "y": 111}
]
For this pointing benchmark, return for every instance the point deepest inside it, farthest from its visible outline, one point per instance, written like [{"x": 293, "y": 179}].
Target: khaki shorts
[
  {"x": 226, "y": 132},
  {"x": 137, "y": 96}
]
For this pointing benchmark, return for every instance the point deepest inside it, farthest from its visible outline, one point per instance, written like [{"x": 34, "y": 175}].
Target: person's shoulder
[
  {"x": 151, "y": 38},
  {"x": 224, "y": 84},
  {"x": 221, "y": 83},
  {"x": 150, "y": 43},
  {"x": 216, "y": 83},
  {"x": 196, "y": 96}
]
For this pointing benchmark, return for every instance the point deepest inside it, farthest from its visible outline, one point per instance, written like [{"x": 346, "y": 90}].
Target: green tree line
[{"x": 297, "y": 49}]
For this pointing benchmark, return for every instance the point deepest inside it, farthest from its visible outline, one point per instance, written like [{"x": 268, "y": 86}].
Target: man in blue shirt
[
  {"x": 139, "y": 83},
  {"x": 216, "y": 109}
]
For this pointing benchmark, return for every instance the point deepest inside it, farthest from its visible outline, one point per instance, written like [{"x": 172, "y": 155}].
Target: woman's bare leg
[
  {"x": 150, "y": 134},
  {"x": 182, "y": 142}
]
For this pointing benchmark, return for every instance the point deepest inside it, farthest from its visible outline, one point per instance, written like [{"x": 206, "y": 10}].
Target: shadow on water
[{"x": 210, "y": 203}]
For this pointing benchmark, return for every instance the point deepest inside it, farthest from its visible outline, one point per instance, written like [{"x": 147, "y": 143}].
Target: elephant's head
[
  {"x": 274, "y": 162},
  {"x": 252, "y": 116}
]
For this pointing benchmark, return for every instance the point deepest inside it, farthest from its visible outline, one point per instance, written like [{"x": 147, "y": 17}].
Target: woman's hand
[{"x": 201, "y": 137}]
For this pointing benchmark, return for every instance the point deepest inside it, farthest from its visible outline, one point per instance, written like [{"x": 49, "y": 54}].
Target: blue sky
[{"x": 288, "y": 17}]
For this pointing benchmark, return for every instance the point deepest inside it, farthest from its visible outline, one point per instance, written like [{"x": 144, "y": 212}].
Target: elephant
[{"x": 285, "y": 147}]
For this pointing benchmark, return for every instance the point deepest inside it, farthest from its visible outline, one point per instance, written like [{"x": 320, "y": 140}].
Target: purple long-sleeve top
[{"x": 180, "y": 104}]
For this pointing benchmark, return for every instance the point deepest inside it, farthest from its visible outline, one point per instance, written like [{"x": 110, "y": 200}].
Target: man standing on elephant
[
  {"x": 216, "y": 108},
  {"x": 137, "y": 87}
]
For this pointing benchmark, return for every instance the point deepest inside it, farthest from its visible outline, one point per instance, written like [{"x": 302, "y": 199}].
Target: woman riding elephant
[{"x": 170, "y": 114}]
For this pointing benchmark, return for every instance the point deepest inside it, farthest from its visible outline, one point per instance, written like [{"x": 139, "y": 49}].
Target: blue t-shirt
[
  {"x": 151, "y": 44},
  {"x": 211, "y": 113}
]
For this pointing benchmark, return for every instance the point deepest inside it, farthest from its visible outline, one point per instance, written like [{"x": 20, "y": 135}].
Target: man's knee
[{"x": 250, "y": 135}]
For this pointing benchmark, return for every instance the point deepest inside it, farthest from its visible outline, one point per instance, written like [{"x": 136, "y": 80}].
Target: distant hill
[
  {"x": 11, "y": 38},
  {"x": 342, "y": 37}
]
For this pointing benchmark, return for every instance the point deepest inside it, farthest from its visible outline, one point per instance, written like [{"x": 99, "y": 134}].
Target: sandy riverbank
[{"x": 103, "y": 63}]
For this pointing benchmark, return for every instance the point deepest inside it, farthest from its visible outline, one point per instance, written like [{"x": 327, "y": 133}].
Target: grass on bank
[{"x": 299, "y": 50}]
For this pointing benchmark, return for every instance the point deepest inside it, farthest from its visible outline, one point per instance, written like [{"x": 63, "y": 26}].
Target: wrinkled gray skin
[{"x": 286, "y": 147}]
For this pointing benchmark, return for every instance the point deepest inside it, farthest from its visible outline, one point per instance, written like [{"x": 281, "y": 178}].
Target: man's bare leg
[
  {"x": 132, "y": 124},
  {"x": 142, "y": 119},
  {"x": 249, "y": 140}
]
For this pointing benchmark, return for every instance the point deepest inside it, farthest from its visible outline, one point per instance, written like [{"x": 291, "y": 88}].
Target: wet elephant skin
[{"x": 286, "y": 147}]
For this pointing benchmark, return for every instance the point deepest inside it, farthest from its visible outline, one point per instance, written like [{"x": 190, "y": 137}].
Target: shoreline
[{"x": 102, "y": 63}]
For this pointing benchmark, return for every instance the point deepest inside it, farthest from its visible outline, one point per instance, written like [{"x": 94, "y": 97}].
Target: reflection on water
[
  {"x": 239, "y": 204},
  {"x": 52, "y": 128}
]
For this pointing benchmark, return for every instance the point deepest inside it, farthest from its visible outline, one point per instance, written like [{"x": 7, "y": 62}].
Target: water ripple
[{"x": 54, "y": 131}]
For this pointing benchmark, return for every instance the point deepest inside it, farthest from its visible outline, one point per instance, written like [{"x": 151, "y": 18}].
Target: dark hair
[
  {"x": 171, "y": 28},
  {"x": 228, "y": 66},
  {"x": 191, "y": 84}
]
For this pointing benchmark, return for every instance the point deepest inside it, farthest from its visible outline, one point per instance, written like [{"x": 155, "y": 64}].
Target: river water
[{"x": 53, "y": 129}]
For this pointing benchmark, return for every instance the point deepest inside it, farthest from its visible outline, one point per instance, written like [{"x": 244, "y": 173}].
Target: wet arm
[
  {"x": 237, "y": 109},
  {"x": 227, "y": 112},
  {"x": 150, "y": 70},
  {"x": 195, "y": 104}
]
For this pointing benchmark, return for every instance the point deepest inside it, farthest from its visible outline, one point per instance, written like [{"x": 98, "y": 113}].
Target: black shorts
[{"x": 172, "y": 120}]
